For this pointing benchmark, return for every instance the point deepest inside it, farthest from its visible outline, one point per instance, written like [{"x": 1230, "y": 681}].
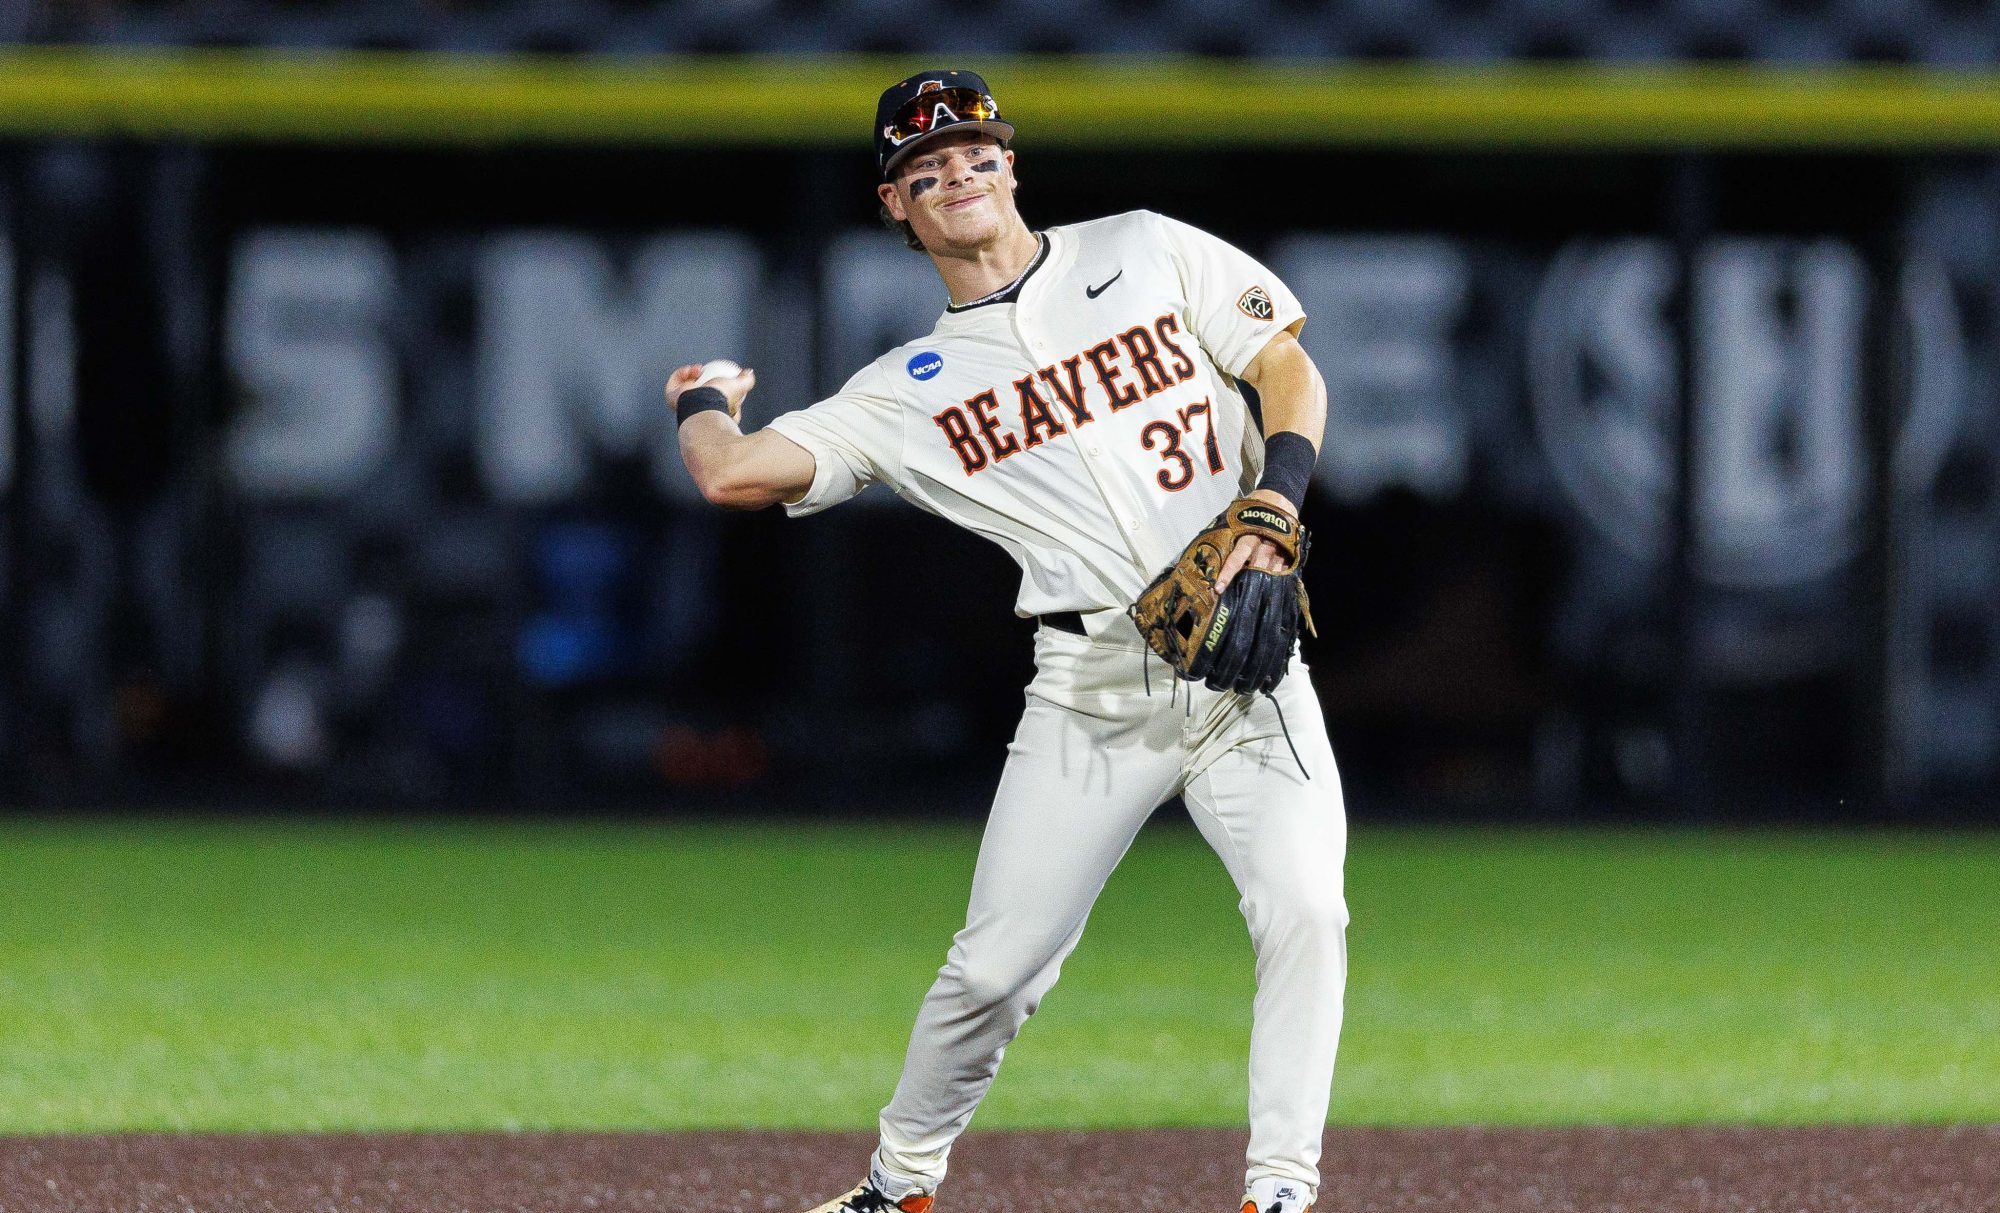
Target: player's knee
[
  {"x": 984, "y": 988},
  {"x": 1308, "y": 907},
  {"x": 988, "y": 982}
]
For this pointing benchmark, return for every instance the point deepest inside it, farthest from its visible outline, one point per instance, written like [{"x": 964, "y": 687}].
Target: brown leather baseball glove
[{"x": 1242, "y": 638}]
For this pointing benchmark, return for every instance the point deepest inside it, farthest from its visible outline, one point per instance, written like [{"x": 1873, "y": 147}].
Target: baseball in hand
[{"x": 721, "y": 368}]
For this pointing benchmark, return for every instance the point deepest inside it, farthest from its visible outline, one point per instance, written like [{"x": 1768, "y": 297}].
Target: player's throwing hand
[{"x": 733, "y": 387}]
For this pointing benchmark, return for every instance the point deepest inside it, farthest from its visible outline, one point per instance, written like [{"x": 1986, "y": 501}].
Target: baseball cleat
[
  {"x": 1273, "y": 1195},
  {"x": 865, "y": 1197}
]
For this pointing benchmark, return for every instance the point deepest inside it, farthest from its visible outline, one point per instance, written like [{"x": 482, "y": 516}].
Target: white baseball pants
[{"x": 1093, "y": 757}]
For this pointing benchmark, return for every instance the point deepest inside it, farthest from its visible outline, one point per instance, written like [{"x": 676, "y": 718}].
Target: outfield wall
[{"x": 338, "y": 467}]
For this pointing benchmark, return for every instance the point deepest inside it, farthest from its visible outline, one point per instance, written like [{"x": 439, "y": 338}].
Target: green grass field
[{"x": 273, "y": 977}]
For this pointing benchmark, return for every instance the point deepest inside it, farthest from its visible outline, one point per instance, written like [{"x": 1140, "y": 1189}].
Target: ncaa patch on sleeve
[
  {"x": 1255, "y": 304},
  {"x": 926, "y": 365}
]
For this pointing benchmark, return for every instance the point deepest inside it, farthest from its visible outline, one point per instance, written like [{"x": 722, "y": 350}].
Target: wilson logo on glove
[{"x": 1265, "y": 517}]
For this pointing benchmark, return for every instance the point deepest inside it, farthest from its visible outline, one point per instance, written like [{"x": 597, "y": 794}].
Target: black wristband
[
  {"x": 699, "y": 400},
  {"x": 1288, "y": 466}
]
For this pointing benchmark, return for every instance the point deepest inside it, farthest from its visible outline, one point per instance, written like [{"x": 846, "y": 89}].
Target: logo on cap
[{"x": 926, "y": 365}]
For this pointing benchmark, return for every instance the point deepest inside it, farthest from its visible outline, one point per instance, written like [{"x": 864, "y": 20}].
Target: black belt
[{"x": 1063, "y": 621}]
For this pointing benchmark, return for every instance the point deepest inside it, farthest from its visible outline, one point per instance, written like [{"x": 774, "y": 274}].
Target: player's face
[{"x": 957, "y": 192}]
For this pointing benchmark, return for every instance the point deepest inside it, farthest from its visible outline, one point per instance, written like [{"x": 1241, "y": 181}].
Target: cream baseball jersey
[{"x": 1089, "y": 423}]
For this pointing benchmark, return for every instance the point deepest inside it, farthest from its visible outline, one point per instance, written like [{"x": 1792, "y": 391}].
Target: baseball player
[{"x": 1079, "y": 404}]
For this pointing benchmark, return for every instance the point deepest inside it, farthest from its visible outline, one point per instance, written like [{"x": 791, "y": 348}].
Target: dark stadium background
[{"x": 189, "y": 626}]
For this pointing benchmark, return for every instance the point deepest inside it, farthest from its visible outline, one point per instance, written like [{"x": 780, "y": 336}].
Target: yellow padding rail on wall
[{"x": 443, "y": 99}]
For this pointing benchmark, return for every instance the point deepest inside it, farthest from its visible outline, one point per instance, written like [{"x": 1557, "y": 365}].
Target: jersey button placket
[{"x": 1039, "y": 347}]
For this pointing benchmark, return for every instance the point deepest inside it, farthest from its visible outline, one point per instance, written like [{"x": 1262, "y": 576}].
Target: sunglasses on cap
[{"x": 937, "y": 109}]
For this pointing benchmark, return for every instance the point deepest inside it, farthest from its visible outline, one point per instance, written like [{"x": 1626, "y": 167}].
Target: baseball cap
[{"x": 930, "y": 103}]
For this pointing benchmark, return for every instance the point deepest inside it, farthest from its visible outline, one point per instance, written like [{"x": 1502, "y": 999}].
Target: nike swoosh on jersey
[{"x": 1092, "y": 292}]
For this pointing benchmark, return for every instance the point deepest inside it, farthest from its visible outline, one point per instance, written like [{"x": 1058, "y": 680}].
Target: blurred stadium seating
[{"x": 1960, "y": 33}]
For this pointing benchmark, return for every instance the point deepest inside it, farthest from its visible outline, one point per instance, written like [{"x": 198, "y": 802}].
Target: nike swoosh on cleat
[{"x": 1092, "y": 292}]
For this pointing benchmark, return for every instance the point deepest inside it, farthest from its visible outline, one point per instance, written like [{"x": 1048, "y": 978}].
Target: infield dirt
[{"x": 1658, "y": 1170}]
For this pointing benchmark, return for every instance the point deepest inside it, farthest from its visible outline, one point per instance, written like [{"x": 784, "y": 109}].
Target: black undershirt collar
[{"x": 1012, "y": 291}]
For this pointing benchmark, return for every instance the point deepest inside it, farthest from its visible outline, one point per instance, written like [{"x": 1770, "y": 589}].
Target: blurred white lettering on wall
[
  {"x": 1603, "y": 383},
  {"x": 1779, "y": 463},
  {"x": 305, "y": 343},
  {"x": 1777, "y": 351},
  {"x": 1381, "y": 316},
  {"x": 573, "y": 356}
]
